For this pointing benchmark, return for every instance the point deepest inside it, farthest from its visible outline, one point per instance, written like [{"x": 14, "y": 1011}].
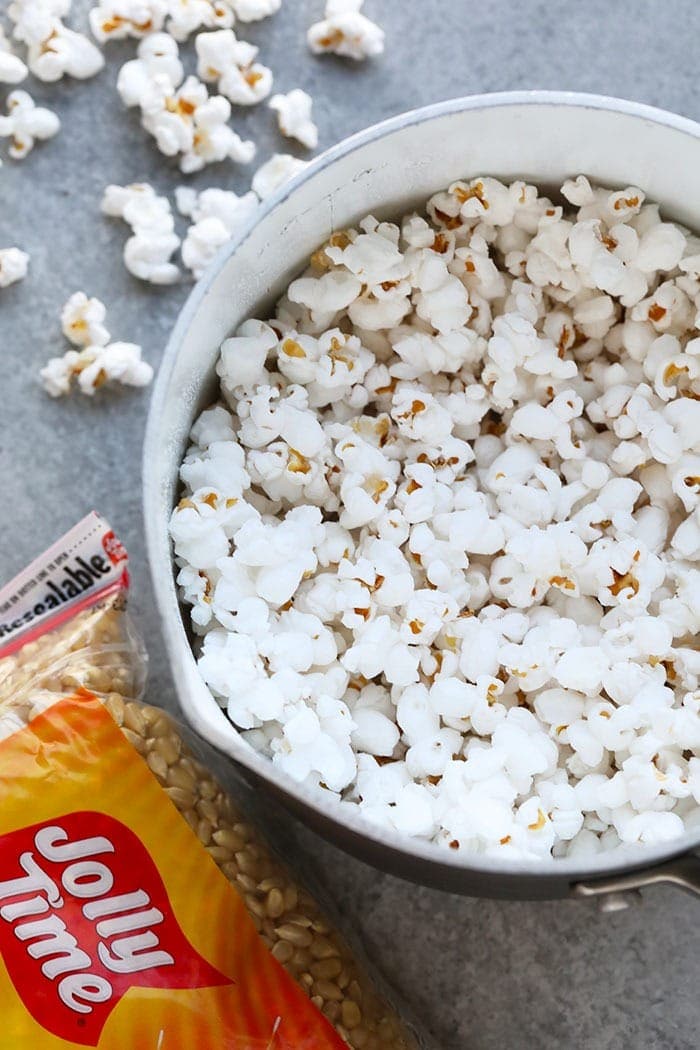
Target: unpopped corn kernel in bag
[{"x": 138, "y": 907}]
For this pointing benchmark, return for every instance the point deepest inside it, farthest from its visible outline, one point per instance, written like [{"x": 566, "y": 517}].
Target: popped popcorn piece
[
  {"x": 81, "y": 321},
  {"x": 280, "y": 168},
  {"x": 182, "y": 117},
  {"x": 254, "y": 10},
  {"x": 98, "y": 362},
  {"x": 218, "y": 215},
  {"x": 117, "y": 19},
  {"x": 294, "y": 117},
  {"x": 14, "y": 264},
  {"x": 230, "y": 62},
  {"x": 95, "y": 366},
  {"x": 158, "y": 55},
  {"x": 26, "y": 123},
  {"x": 148, "y": 252},
  {"x": 12, "y": 68},
  {"x": 186, "y": 16},
  {"x": 212, "y": 139},
  {"x": 440, "y": 540},
  {"x": 346, "y": 31},
  {"x": 52, "y": 49}
]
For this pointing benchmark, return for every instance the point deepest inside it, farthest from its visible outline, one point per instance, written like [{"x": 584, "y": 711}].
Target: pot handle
[{"x": 618, "y": 891}]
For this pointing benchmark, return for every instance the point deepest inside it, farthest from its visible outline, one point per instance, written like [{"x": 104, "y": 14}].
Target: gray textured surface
[{"x": 482, "y": 975}]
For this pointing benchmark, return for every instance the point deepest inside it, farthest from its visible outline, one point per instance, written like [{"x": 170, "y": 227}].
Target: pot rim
[{"x": 172, "y": 623}]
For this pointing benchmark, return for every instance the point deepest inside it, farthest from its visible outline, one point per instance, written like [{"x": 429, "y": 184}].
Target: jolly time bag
[{"x": 138, "y": 907}]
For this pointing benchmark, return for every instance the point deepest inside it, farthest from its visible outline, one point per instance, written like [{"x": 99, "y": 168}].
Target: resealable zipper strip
[{"x": 85, "y": 566}]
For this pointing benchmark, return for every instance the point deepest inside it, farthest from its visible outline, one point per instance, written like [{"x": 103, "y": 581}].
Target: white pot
[{"x": 543, "y": 137}]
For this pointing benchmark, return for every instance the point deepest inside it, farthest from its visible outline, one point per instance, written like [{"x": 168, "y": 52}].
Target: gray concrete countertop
[{"x": 481, "y": 975}]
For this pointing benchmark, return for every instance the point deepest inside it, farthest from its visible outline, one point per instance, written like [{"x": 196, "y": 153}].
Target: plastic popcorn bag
[{"x": 138, "y": 908}]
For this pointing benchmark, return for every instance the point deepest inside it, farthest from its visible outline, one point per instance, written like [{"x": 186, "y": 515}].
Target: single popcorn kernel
[
  {"x": 382, "y": 429},
  {"x": 291, "y": 348},
  {"x": 477, "y": 191},
  {"x": 562, "y": 581},
  {"x": 539, "y": 823},
  {"x": 626, "y": 202},
  {"x": 336, "y": 354},
  {"x": 332, "y": 40},
  {"x": 451, "y": 222},
  {"x": 623, "y": 582},
  {"x": 320, "y": 261},
  {"x": 378, "y": 488},
  {"x": 672, "y": 372},
  {"x": 656, "y": 312},
  {"x": 563, "y": 343},
  {"x": 670, "y": 667},
  {"x": 298, "y": 464},
  {"x": 180, "y": 105},
  {"x": 340, "y": 239},
  {"x": 492, "y": 694}
]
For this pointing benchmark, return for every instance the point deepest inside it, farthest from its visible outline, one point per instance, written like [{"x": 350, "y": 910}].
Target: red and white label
[
  {"x": 83, "y": 918},
  {"x": 80, "y": 569}
]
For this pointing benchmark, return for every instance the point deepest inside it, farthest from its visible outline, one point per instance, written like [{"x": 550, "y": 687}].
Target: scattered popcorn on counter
[
  {"x": 26, "y": 123},
  {"x": 280, "y": 168},
  {"x": 187, "y": 16},
  {"x": 254, "y": 10},
  {"x": 99, "y": 361},
  {"x": 81, "y": 321},
  {"x": 346, "y": 31},
  {"x": 148, "y": 252},
  {"x": 217, "y": 215},
  {"x": 230, "y": 62},
  {"x": 117, "y": 19},
  {"x": 12, "y": 68},
  {"x": 181, "y": 115},
  {"x": 53, "y": 50},
  {"x": 158, "y": 56},
  {"x": 14, "y": 264},
  {"x": 440, "y": 535},
  {"x": 94, "y": 367},
  {"x": 294, "y": 117}
]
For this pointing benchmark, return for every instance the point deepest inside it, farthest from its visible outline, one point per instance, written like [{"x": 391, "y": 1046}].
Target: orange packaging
[
  {"x": 119, "y": 927},
  {"x": 107, "y": 899}
]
